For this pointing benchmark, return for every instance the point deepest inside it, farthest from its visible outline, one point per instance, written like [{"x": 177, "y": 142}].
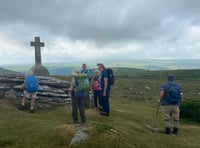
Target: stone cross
[{"x": 37, "y": 44}]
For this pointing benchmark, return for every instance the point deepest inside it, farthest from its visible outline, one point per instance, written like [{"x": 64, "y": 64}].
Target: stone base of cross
[{"x": 40, "y": 71}]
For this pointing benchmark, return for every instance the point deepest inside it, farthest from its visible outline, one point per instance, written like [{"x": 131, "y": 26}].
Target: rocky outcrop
[
  {"x": 80, "y": 135},
  {"x": 51, "y": 92}
]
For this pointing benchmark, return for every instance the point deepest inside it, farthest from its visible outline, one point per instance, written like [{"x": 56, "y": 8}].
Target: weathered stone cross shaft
[{"x": 37, "y": 44}]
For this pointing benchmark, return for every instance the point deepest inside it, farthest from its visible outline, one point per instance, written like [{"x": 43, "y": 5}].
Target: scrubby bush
[{"x": 190, "y": 109}]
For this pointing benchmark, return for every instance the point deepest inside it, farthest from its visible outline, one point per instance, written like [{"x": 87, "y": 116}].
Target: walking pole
[{"x": 155, "y": 119}]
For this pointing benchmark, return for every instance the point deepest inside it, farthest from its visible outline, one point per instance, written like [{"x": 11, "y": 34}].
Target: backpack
[
  {"x": 31, "y": 84},
  {"x": 174, "y": 93},
  {"x": 88, "y": 72},
  {"x": 111, "y": 77},
  {"x": 82, "y": 85}
]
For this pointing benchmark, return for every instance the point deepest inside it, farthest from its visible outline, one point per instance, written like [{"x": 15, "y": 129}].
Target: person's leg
[
  {"x": 74, "y": 109},
  {"x": 33, "y": 96},
  {"x": 98, "y": 97},
  {"x": 95, "y": 97},
  {"x": 101, "y": 100},
  {"x": 32, "y": 107},
  {"x": 81, "y": 109},
  {"x": 166, "y": 116},
  {"x": 175, "y": 116},
  {"x": 106, "y": 106},
  {"x": 23, "y": 102},
  {"x": 24, "y": 99},
  {"x": 87, "y": 101}
]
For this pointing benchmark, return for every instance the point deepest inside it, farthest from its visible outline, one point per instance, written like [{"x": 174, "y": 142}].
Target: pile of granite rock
[{"x": 52, "y": 91}]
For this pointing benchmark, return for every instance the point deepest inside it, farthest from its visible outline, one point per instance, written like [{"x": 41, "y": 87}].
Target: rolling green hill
[{"x": 6, "y": 71}]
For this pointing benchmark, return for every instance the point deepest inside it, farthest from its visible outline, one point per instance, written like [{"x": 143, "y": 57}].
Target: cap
[
  {"x": 100, "y": 64},
  {"x": 170, "y": 77}
]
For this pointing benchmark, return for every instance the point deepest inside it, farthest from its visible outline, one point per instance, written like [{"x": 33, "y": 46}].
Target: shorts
[
  {"x": 30, "y": 95},
  {"x": 171, "y": 111}
]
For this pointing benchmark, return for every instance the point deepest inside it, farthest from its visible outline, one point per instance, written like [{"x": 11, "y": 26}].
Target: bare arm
[{"x": 161, "y": 95}]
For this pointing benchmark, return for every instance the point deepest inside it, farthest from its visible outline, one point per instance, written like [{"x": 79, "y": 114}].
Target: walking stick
[{"x": 155, "y": 119}]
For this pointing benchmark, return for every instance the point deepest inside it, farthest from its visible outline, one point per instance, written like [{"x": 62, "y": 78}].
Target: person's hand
[
  {"x": 104, "y": 93},
  {"x": 70, "y": 89},
  {"x": 159, "y": 101}
]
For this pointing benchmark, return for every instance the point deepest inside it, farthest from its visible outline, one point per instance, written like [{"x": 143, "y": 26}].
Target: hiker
[
  {"x": 79, "y": 91},
  {"x": 89, "y": 76},
  {"x": 88, "y": 72},
  {"x": 96, "y": 87},
  {"x": 30, "y": 87},
  {"x": 105, "y": 90},
  {"x": 170, "y": 97}
]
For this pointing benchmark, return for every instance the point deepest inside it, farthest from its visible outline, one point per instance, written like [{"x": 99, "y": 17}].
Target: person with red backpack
[
  {"x": 96, "y": 87},
  {"x": 30, "y": 87}
]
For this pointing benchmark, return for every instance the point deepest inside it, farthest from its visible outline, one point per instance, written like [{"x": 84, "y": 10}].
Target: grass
[
  {"x": 126, "y": 127},
  {"x": 132, "y": 109}
]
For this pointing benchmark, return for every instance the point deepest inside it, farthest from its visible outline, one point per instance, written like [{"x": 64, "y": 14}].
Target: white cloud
[{"x": 98, "y": 29}]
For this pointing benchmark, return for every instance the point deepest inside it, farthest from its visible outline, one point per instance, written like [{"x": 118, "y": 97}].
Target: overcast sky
[{"x": 76, "y": 30}]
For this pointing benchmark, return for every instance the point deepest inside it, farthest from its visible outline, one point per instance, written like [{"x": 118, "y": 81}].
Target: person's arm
[
  {"x": 161, "y": 95},
  {"x": 23, "y": 85},
  {"x": 105, "y": 86},
  {"x": 72, "y": 85}
]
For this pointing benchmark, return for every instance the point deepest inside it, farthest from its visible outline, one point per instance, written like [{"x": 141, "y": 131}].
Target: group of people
[
  {"x": 97, "y": 84},
  {"x": 83, "y": 82}
]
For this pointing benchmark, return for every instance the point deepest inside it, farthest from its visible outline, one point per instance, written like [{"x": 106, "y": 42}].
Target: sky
[{"x": 83, "y": 30}]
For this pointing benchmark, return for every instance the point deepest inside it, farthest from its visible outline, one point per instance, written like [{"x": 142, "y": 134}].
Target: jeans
[
  {"x": 105, "y": 100},
  {"x": 78, "y": 103},
  {"x": 97, "y": 94}
]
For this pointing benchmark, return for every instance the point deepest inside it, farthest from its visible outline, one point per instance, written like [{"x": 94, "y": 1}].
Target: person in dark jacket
[
  {"x": 105, "y": 90},
  {"x": 170, "y": 97}
]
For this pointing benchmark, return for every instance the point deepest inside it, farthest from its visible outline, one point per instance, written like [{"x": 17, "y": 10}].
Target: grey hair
[{"x": 29, "y": 73}]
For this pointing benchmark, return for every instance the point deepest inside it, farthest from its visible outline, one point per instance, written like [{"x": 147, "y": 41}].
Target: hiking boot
[
  {"x": 104, "y": 114},
  {"x": 175, "y": 131},
  {"x": 32, "y": 110},
  {"x": 21, "y": 107},
  {"x": 167, "y": 131}
]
